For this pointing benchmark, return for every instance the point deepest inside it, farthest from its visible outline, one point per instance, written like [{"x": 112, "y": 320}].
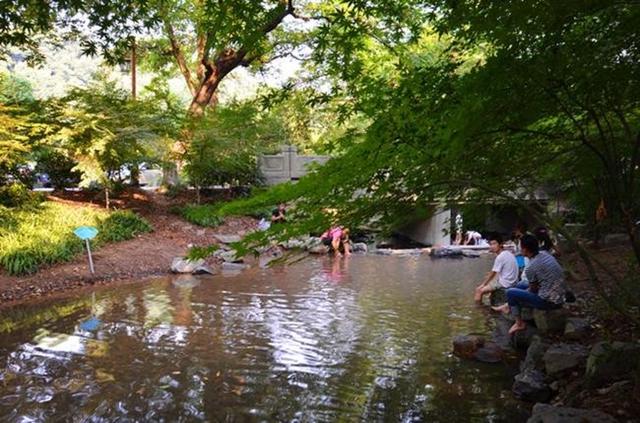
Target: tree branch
[{"x": 176, "y": 50}]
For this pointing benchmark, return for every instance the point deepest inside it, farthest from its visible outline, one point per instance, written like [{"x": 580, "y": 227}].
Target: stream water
[{"x": 363, "y": 339}]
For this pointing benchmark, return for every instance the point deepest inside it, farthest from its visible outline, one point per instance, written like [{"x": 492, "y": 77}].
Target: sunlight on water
[{"x": 367, "y": 338}]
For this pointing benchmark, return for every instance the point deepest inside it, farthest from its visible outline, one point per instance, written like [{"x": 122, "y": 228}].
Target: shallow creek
[{"x": 361, "y": 339}]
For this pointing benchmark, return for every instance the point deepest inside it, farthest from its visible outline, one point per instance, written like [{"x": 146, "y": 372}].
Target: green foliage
[
  {"x": 15, "y": 128},
  {"x": 197, "y": 253},
  {"x": 226, "y": 144},
  {"x": 203, "y": 215},
  {"x": 121, "y": 225},
  {"x": 105, "y": 131},
  {"x": 14, "y": 90},
  {"x": 36, "y": 237},
  {"x": 18, "y": 195},
  {"x": 58, "y": 166}
]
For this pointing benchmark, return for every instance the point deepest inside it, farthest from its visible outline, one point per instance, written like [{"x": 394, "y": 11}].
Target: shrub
[
  {"x": 18, "y": 195},
  {"x": 121, "y": 225},
  {"x": 30, "y": 238},
  {"x": 203, "y": 215}
]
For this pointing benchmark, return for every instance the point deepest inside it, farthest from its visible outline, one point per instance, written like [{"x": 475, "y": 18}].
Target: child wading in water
[{"x": 337, "y": 239}]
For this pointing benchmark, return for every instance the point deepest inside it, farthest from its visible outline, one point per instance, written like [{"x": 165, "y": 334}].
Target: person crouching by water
[
  {"x": 505, "y": 267},
  {"x": 546, "y": 286},
  {"x": 337, "y": 239},
  {"x": 278, "y": 214}
]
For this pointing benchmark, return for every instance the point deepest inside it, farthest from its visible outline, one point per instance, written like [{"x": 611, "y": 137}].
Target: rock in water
[
  {"x": 359, "y": 247},
  {"x": 183, "y": 265},
  {"x": 564, "y": 357},
  {"x": 234, "y": 267},
  {"x": 609, "y": 362},
  {"x": 545, "y": 413},
  {"x": 229, "y": 256},
  {"x": 318, "y": 249},
  {"x": 465, "y": 346},
  {"x": 490, "y": 352},
  {"x": 529, "y": 385}
]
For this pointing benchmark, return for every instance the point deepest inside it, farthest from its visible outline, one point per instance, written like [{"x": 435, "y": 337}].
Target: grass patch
[
  {"x": 203, "y": 215},
  {"x": 30, "y": 238}
]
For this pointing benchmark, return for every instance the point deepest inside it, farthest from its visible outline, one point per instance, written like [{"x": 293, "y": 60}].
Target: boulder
[
  {"x": 312, "y": 241},
  {"x": 234, "y": 267},
  {"x": 267, "y": 256},
  {"x": 490, "y": 352},
  {"x": 576, "y": 329},
  {"x": 227, "y": 239},
  {"x": 535, "y": 353},
  {"x": 545, "y": 413},
  {"x": 564, "y": 357},
  {"x": 529, "y": 385},
  {"x": 608, "y": 362},
  {"x": 318, "y": 249},
  {"x": 293, "y": 243},
  {"x": 522, "y": 339},
  {"x": 359, "y": 247},
  {"x": 228, "y": 256},
  {"x": 184, "y": 265},
  {"x": 204, "y": 270},
  {"x": 465, "y": 346},
  {"x": 550, "y": 321},
  {"x": 383, "y": 251}
]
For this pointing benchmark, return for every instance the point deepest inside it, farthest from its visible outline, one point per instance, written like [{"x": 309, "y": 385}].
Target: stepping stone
[{"x": 227, "y": 239}]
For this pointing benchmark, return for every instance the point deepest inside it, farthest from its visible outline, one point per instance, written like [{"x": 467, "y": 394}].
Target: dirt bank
[{"x": 146, "y": 255}]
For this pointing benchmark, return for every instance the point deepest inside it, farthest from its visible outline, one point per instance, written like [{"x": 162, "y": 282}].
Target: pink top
[{"x": 333, "y": 233}]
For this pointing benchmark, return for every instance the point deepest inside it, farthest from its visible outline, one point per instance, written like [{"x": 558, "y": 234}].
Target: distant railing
[{"x": 287, "y": 165}]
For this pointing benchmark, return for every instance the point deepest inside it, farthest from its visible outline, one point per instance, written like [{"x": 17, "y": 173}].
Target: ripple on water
[{"x": 361, "y": 339}]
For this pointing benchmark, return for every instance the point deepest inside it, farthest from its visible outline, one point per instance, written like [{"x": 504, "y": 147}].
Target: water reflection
[{"x": 364, "y": 338}]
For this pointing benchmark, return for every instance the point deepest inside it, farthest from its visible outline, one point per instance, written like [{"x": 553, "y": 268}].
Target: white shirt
[{"x": 506, "y": 267}]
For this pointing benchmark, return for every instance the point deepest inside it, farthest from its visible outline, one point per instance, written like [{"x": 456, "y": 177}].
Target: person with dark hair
[
  {"x": 504, "y": 267},
  {"x": 278, "y": 214},
  {"x": 337, "y": 239},
  {"x": 546, "y": 286},
  {"x": 545, "y": 242}
]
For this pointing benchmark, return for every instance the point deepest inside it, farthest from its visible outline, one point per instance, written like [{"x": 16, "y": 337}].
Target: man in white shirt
[{"x": 505, "y": 267}]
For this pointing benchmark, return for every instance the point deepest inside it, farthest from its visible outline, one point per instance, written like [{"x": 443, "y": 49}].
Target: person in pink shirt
[{"x": 336, "y": 237}]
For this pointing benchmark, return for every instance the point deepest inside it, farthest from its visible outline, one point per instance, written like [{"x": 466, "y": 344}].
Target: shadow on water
[{"x": 368, "y": 338}]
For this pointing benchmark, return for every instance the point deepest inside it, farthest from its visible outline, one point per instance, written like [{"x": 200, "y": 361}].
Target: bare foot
[
  {"x": 504, "y": 308},
  {"x": 517, "y": 327}
]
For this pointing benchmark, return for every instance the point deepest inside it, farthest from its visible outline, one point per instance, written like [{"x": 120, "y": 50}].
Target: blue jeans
[{"x": 519, "y": 296}]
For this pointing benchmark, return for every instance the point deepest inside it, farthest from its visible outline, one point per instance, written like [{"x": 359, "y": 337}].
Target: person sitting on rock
[
  {"x": 337, "y": 239},
  {"x": 546, "y": 286},
  {"x": 278, "y": 214},
  {"x": 504, "y": 267}
]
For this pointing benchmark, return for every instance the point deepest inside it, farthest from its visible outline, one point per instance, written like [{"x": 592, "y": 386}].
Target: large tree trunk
[{"x": 205, "y": 95}]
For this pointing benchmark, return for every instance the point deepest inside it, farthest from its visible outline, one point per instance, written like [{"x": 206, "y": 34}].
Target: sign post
[{"x": 86, "y": 233}]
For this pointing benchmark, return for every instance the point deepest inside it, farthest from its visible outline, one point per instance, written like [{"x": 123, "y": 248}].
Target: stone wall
[{"x": 286, "y": 165}]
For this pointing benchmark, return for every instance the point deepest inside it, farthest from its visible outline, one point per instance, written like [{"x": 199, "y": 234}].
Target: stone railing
[{"x": 287, "y": 165}]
